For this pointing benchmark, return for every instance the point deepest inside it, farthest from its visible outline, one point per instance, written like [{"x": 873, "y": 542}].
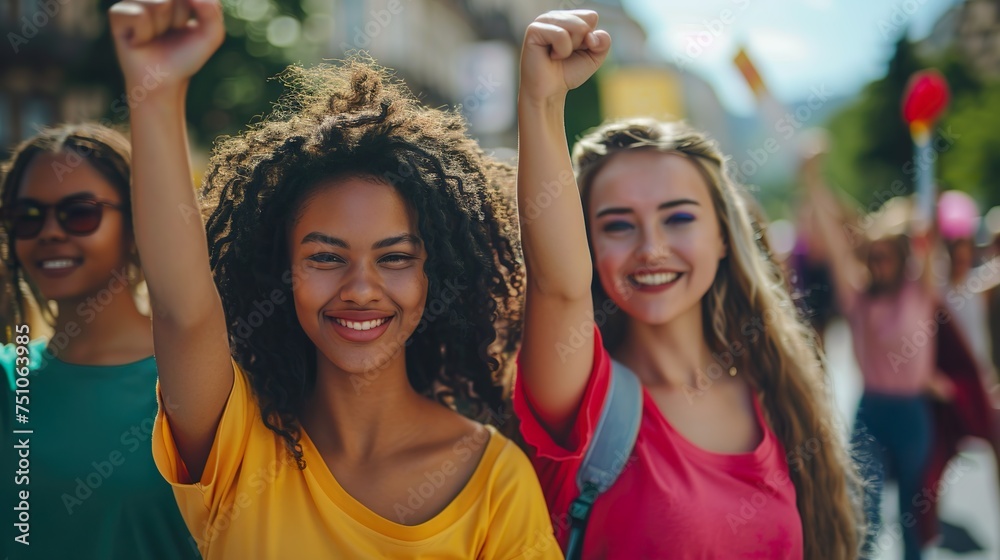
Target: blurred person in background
[
  {"x": 66, "y": 240},
  {"x": 808, "y": 263},
  {"x": 992, "y": 291},
  {"x": 895, "y": 317},
  {"x": 970, "y": 296},
  {"x": 968, "y": 301},
  {"x": 894, "y": 424}
]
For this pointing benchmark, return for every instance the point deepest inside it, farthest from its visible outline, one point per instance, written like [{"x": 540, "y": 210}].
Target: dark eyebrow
[
  {"x": 396, "y": 239},
  {"x": 83, "y": 195},
  {"x": 325, "y": 239},
  {"x": 665, "y": 206},
  {"x": 337, "y": 242}
]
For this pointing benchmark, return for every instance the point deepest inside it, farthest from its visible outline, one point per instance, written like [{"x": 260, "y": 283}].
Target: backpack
[{"x": 609, "y": 451}]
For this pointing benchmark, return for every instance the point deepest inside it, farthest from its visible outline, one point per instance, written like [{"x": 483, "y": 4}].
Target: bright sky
[{"x": 796, "y": 44}]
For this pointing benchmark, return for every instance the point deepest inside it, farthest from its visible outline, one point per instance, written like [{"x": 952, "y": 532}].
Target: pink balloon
[{"x": 958, "y": 215}]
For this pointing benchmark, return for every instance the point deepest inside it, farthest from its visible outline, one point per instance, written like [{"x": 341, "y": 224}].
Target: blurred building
[
  {"x": 979, "y": 35},
  {"x": 450, "y": 52},
  {"x": 973, "y": 27},
  {"x": 467, "y": 51},
  {"x": 43, "y": 39}
]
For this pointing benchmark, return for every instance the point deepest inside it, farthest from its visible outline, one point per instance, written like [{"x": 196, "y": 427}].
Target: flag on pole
[{"x": 750, "y": 74}]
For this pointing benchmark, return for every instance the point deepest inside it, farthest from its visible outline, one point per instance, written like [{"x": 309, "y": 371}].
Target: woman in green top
[{"x": 76, "y": 417}]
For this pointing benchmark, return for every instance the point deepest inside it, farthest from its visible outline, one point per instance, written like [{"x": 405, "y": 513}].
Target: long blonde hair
[{"x": 785, "y": 368}]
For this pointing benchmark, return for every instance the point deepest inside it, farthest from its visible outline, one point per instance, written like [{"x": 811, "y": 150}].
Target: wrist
[
  {"x": 545, "y": 104},
  {"x": 545, "y": 113},
  {"x": 154, "y": 85},
  {"x": 165, "y": 98}
]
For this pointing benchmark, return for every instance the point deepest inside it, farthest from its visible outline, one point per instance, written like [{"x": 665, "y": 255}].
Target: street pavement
[{"x": 971, "y": 501}]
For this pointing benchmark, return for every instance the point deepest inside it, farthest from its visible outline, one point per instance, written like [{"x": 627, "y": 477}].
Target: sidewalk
[{"x": 971, "y": 502}]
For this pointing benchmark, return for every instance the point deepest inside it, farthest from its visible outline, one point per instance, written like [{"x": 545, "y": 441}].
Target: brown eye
[
  {"x": 396, "y": 258},
  {"x": 325, "y": 258}
]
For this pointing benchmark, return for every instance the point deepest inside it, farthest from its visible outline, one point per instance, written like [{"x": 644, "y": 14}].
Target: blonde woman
[{"x": 738, "y": 453}]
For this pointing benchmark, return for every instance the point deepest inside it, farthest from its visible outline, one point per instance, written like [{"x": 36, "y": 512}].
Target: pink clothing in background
[{"x": 894, "y": 339}]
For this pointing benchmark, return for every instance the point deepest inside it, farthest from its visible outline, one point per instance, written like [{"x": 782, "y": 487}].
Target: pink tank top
[
  {"x": 895, "y": 340},
  {"x": 673, "y": 498}
]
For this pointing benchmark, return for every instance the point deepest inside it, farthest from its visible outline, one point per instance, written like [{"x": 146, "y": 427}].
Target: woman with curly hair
[
  {"x": 738, "y": 453},
  {"x": 83, "y": 483},
  {"x": 366, "y": 273}
]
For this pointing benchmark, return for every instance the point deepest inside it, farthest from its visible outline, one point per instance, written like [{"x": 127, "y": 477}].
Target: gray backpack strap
[{"x": 609, "y": 451}]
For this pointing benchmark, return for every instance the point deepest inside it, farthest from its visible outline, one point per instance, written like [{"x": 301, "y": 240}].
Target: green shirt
[{"x": 93, "y": 490}]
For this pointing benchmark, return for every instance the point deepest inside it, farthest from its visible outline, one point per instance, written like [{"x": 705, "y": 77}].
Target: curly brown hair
[
  {"x": 785, "y": 367},
  {"x": 354, "y": 119}
]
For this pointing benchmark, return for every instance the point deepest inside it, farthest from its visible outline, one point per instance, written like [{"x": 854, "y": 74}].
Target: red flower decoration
[{"x": 926, "y": 97}]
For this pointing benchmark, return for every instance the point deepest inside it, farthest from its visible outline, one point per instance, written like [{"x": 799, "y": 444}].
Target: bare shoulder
[{"x": 450, "y": 435}]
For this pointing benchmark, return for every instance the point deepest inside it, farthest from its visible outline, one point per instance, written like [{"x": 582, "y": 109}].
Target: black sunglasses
[{"x": 76, "y": 216}]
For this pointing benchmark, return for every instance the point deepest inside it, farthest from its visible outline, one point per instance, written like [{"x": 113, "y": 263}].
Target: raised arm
[
  {"x": 846, "y": 271},
  {"x": 561, "y": 51},
  {"x": 160, "y": 45},
  {"x": 925, "y": 245}
]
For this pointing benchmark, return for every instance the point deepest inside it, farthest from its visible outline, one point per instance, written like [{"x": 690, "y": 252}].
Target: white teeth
[
  {"x": 361, "y": 325},
  {"x": 657, "y": 279},
  {"x": 57, "y": 263}
]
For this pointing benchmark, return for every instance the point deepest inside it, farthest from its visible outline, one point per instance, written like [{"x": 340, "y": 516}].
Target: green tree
[
  {"x": 235, "y": 85},
  {"x": 871, "y": 142},
  {"x": 872, "y": 148},
  {"x": 971, "y": 163}
]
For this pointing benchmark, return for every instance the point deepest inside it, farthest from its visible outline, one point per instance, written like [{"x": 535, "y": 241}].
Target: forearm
[
  {"x": 832, "y": 235},
  {"x": 169, "y": 232},
  {"x": 553, "y": 230}
]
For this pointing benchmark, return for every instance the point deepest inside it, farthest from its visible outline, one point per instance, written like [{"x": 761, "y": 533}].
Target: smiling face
[
  {"x": 63, "y": 266},
  {"x": 655, "y": 234},
  {"x": 360, "y": 286}
]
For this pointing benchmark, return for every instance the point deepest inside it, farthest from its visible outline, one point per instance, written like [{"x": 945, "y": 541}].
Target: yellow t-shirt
[{"x": 254, "y": 502}]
